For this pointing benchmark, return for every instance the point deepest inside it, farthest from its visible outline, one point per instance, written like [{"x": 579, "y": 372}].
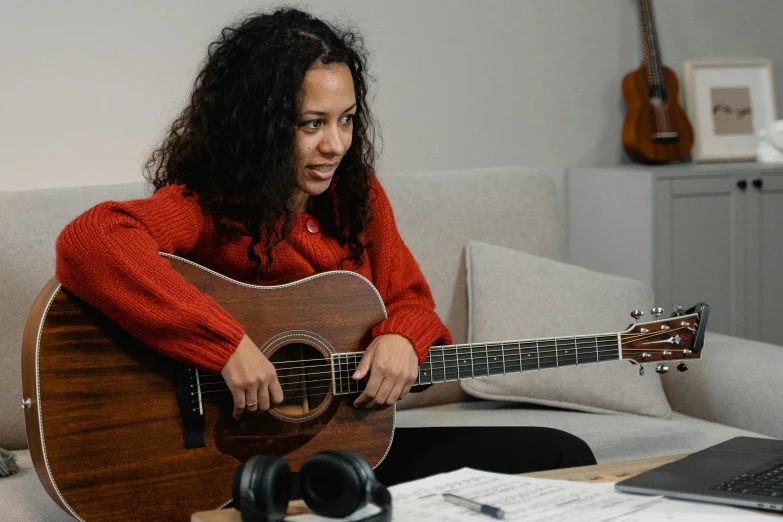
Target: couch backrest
[
  {"x": 31, "y": 221},
  {"x": 438, "y": 212}
]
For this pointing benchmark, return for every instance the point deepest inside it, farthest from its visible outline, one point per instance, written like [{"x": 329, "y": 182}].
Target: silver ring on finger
[{"x": 251, "y": 404}]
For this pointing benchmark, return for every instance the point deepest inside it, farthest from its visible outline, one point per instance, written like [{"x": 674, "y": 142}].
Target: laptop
[{"x": 743, "y": 471}]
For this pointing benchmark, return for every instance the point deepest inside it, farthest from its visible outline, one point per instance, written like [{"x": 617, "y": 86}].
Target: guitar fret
[
  {"x": 464, "y": 368},
  {"x": 443, "y": 360},
  {"x": 350, "y": 371},
  {"x": 519, "y": 348},
  {"x": 495, "y": 367},
  {"x": 538, "y": 357},
  {"x": 576, "y": 352},
  {"x": 546, "y": 349},
  {"x": 435, "y": 367},
  {"x": 334, "y": 379},
  {"x": 348, "y": 379},
  {"x": 451, "y": 364},
  {"x": 566, "y": 358},
  {"x": 338, "y": 372}
]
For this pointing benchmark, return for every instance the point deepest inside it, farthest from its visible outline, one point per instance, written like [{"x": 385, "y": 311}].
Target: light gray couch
[{"x": 733, "y": 391}]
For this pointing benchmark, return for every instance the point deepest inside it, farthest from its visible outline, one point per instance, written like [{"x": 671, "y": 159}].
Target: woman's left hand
[{"x": 393, "y": 367}]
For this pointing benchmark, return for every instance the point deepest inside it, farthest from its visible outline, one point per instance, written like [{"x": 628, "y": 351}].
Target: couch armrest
[{"x": 737, "y": 382}]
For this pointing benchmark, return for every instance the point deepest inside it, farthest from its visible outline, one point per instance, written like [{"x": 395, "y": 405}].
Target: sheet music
[
  {"x": 538, "y": 500},
  {"x": 521, "y": 498}
]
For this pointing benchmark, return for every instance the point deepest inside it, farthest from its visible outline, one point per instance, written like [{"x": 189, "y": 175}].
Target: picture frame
[{"x": 728, "y": 103}]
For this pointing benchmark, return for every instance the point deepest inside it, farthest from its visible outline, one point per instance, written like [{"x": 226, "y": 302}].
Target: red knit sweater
[{"x": 108, "y": 257}]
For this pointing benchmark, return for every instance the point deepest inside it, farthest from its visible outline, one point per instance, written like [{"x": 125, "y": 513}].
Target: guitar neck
[
  {"x": 470, "y": 361},
  {"x": 652, "y": 52}
]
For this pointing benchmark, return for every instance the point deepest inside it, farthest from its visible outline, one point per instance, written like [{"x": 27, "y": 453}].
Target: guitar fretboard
[{"x": 470, "y": 361}]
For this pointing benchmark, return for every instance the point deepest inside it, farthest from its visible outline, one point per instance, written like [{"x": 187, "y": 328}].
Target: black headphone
[{"x": 332, "y": 484}]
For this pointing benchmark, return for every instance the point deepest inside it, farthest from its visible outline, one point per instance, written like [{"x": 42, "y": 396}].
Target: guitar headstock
[{"x": 677, "y": 338}]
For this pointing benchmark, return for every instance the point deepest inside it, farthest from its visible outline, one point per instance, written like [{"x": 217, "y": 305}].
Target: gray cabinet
[{"x": 693, "y": 233}]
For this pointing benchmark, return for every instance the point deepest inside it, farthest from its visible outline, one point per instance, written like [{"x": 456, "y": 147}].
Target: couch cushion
[
  {"x": 23, "y": 498},
  {"x": 612, "y": 437},
  {"x": 516, "y": 295},
  {"x": 438, "y": 212},
  {"x": 710, "y": 390},
  {"x": 31, "y": 222}
]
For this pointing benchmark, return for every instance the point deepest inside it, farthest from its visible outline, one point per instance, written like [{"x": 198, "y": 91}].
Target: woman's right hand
[{"x": 251, "y": 378}]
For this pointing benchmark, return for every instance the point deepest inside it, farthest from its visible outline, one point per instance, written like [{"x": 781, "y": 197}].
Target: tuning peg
[
  {"x": 641, "y": 369},
  {"x": 682, "y": 367},
  {"x": 636, "y": 314},
  {"x": 661, "y": 369},
  {"x": 677, "y": 311},
  {"x": 657, "y": 312}
]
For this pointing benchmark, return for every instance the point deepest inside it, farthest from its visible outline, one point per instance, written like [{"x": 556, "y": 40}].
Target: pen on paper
[{"x": 478, "y": 507}]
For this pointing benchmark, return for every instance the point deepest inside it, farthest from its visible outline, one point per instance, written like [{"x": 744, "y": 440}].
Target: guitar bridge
[
  {"x": 665, "y": 137},
  {"x": 190, "y": 406}
]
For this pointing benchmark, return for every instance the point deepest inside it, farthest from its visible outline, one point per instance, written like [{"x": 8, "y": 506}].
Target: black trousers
[{"x": 419, "y": 452}]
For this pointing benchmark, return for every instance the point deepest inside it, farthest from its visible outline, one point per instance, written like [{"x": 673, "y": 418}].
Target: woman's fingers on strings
[
  {"x": 394, "y": 395},
  {"x": 370, "y": 392},
  {"x": 276, "y": 393},
  {"x": 252, "y": 399},
  {"x": 382, "y": 395},
  {"x": 263, "y": 398},
  {"x": 239, "y": 402}
]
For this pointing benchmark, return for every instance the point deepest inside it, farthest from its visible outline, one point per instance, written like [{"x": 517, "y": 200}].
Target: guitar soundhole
[{"x": 305, "y": 377}]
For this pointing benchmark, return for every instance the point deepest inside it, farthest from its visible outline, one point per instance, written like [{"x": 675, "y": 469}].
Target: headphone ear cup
[
  {"x": 263, "y": 484},
  {"x": 334, "y": 483}
]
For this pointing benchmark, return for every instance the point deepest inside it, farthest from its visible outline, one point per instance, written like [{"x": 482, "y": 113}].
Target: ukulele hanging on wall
[{"x": 656, "y": 128}]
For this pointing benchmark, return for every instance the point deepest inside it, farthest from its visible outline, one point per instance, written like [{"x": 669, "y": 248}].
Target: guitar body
[
  {"x": 645, "y": 117},
  {"x": 104, "y": 426}
]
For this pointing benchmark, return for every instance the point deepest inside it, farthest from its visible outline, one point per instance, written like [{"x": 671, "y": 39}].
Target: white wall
[{"x": 89, "y": 86}]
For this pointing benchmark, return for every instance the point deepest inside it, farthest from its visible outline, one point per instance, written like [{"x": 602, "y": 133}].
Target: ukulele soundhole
[{"x": 305, "y": 377}]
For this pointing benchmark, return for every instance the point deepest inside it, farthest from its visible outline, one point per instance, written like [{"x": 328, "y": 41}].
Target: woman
[{"x": 267, "y": 175}]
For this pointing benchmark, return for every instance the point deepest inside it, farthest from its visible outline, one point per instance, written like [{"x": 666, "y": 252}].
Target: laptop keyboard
[{"x": 767, "y": 483}]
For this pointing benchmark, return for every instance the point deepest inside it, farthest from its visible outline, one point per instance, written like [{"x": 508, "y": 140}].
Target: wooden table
[{"x": 613, "y": 472}]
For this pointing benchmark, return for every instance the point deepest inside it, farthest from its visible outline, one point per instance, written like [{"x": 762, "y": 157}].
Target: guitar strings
[
  {"x": 477, "y": 358},
  {"x": 309, "y": 388},
  {"x": 450, "y": 373},
  {"x": 512, "y": 355},
  {"x": 480, "y": 363},
  {"x": 542, "y": 343},
  {"x": 491, "y": 348},
  {"x": 476, "y": 369}
]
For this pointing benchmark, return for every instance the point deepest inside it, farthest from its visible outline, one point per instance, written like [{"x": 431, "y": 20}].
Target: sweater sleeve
[
  {"x": 397, "y": 276},
  {"x": 109, "y": 257}
]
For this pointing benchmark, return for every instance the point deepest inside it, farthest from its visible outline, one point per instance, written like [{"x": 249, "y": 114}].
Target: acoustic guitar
[
  {"x": 656, "y": 128},
  {"x": 117, "y": 431}
]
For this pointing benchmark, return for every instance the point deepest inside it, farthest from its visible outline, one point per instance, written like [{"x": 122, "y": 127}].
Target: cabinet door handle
[
  {"x": 742, "y": 184},
  {"x": 758, "y": 183}
]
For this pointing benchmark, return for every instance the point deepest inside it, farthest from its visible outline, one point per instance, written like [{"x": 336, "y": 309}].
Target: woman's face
[{"x": 324, "y": 129}]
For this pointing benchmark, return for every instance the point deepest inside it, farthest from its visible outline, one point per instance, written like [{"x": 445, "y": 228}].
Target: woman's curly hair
[{"x": 233, "y": 144}]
